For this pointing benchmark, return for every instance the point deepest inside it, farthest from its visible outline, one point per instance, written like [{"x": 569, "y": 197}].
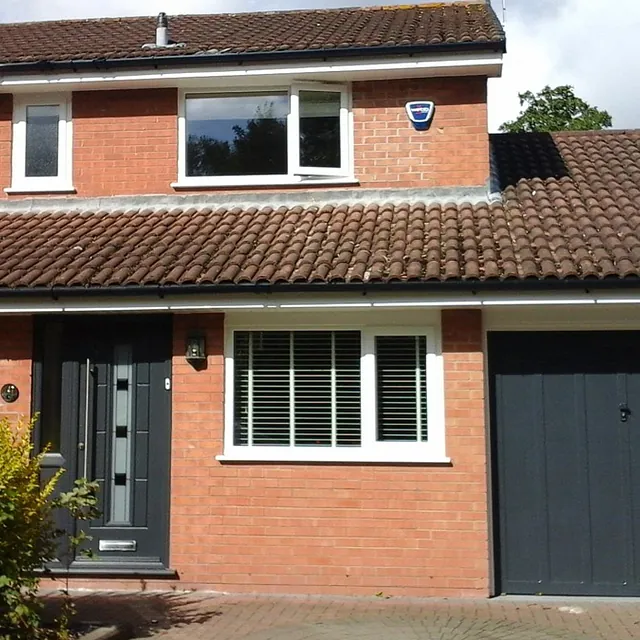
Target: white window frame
[
  {"x": 371, "y": 450},
  {"x": 295, "y": 173},
  {"x": 63, "y": 181}
]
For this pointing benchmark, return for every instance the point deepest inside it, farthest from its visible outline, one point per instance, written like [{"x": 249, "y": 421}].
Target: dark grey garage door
[{"x": 565, "y": 410}]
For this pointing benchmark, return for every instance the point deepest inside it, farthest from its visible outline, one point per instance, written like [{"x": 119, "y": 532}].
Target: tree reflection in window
[{"x": 236, "y": 135}]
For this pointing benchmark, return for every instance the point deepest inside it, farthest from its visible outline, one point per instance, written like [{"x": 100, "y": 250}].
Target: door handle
[
  {"x": 625, "y": 412},
  {"x": 87, "y": 399}
]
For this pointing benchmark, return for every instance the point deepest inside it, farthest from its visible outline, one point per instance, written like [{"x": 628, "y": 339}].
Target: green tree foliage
[
  {"x": 258, "y": 148},
  {"x": 28, "y": 536},
  {"x": 556, "y": 109}
]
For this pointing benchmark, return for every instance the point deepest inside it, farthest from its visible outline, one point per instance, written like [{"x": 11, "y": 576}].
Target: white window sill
[
  {"x": 41, "y": 189},
  {"x": 329, "y": 457},
  {"x": 275, "y": 181}
]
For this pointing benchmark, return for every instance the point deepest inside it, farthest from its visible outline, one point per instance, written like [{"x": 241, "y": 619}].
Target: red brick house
[{"x": 302, "y": 344}]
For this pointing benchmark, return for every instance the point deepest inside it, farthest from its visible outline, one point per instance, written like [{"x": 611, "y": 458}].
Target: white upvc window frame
[
  {"x": 371, "y": 450},
  {"x": 63, "y": 182},
  {"x": 296, "y": 174}
]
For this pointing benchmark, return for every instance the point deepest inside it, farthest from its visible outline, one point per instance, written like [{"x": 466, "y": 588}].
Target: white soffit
[
  {"x": 305, "y": 302},
  {"x": 478, "y": 64}
]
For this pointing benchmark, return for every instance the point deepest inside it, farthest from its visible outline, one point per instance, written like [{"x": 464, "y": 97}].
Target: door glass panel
[
  {"x": 50, "y": 411},
  {"x": 122, "y": 435}
]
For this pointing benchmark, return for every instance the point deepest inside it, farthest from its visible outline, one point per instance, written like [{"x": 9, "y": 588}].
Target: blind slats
[
  {"x": 302, "y": 386},
  {"x": 401, "y": 375}
]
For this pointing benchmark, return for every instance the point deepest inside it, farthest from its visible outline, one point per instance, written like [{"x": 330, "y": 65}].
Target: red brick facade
[
  {"x": 354, "y": 529},
  {"x": 125, "y": 142},
  {"x": 16, "y": 345},
  {"x": 330, "y": 528},
  {"x": 390, "y": 153},
  {"x": 324, "y": 528}
]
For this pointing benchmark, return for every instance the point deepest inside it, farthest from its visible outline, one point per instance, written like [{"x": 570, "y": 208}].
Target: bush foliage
[{"x": 28, "y": 536}]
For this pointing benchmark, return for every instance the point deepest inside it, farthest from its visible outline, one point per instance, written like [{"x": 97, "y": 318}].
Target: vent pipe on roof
[{"x": 162, "y": 30}]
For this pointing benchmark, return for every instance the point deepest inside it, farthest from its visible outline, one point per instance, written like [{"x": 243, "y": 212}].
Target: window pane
[
  {"x": 237, "y": 135},
  {"x": 347, "y": 367},
  {"x": 271, "y": 387},
  {"x": 313, "y": 381},
  {"x": 305, "y": 382},
  {"x": 50, "y": 411},
  {"x": 402, "y": 387},
  {"x": 320, "y": 129},
  {"x": 41, "y": 159}
]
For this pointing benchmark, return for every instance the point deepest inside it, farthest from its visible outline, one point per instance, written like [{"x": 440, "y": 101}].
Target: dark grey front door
[
  {"x": 102, "y": 387},
  {"x": 566, "y": 450}
]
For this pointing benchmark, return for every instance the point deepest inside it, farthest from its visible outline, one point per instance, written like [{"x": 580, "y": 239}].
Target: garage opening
[{"x": 565, "y": 425}]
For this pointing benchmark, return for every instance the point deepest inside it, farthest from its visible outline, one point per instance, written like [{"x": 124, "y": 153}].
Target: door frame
[{"x": 53, "y": 461}]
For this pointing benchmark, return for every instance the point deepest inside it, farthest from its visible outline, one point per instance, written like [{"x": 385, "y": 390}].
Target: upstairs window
[
  {"x": 41, "y": 144},
  {"x": 343, "y": 395},
  {"x": 265, "y": 137}
]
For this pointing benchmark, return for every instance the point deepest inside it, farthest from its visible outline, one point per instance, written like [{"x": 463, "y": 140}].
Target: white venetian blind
[
  {"x": 298, "y": 388},
  {"x": 401, "y": 376}
]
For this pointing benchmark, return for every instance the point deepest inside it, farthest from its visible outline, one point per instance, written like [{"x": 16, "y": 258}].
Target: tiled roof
[
  {"x": 375, "y": 29},
  {"x": 570, "y": 209}
]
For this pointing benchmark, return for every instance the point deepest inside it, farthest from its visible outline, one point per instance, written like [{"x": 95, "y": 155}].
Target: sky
[{"x": 590, "y": 44}]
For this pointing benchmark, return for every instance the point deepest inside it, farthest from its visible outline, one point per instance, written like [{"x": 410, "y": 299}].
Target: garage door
[{"x": 565, "y": 411}]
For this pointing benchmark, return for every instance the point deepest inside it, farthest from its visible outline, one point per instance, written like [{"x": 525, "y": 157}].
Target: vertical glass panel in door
[
  {"x": 41, "y": 160},
  {"x": 320, "y": 129},
  {"x": 51, "y": 386},
  {"x": 237, "y": 134}
]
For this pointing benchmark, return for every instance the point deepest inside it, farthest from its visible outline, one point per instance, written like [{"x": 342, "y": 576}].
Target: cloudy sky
[{"x": 590, "y": 44}]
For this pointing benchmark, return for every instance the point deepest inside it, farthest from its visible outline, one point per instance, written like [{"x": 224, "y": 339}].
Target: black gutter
[
  {"x": 249, "y": 57},
  {"x": 454, "y": 286}
]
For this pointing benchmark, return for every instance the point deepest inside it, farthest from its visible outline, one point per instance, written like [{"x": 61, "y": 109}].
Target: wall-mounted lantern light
[{"x": 196, "y": 349}]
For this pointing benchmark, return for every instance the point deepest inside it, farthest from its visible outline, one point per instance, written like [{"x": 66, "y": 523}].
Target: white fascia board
[
  {"x": 305, "y": 302},
  {"x": 487, "y": 64}
]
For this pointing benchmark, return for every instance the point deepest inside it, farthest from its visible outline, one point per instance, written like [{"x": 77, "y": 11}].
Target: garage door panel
[
  {"x": 568, "y": 469},
  {"x": 565, "y": 478},
  {"x": 633, "y": 435},
  {"x": 608, "y": 498},
  {"x": 522, "y": 500}
]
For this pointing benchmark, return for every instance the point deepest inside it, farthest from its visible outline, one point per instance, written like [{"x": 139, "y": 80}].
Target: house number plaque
[{"x": 9, "y": 393}]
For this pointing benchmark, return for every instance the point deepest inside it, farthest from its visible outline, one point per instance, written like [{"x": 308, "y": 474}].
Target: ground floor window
[{"x": 348, "y": 394}]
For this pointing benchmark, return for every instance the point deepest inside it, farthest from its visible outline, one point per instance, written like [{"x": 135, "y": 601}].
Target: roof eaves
[
  {"x": 196, "y": 59},
  {"x": 496, "y": 285}
]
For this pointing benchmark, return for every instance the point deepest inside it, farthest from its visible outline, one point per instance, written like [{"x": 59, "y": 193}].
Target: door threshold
[{"x": 110, "y": 571}]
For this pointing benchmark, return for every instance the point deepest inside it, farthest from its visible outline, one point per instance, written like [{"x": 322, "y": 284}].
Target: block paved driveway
[{"x": 193, "y": 616}]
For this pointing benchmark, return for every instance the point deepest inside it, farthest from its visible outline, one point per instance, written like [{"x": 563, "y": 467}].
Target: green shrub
[{"x": 28, "y": 534}]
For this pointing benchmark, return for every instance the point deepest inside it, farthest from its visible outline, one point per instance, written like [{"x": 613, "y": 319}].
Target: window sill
[
  {"x": 43, "y": 189},
  {"x": 276, "y": 181},
  {"x": 331, "y": 458}
]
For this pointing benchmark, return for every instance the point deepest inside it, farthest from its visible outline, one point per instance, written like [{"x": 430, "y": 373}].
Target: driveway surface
[{"x": 199, "y": 616}]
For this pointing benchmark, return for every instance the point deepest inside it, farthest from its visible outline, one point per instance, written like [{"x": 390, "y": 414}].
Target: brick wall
[
  {"x": 329, "y": 528},
  {"x": 6, "y": 117},
  {"x": 16, "y": 344},
  {"x": 389, "y": 152},
  {"x": 125, "y": 141}
]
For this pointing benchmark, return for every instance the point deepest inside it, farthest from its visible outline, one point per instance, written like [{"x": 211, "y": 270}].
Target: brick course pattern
[
  {"x": 125, "y": 142},
  {"x": 325, "y": 528},
  {"x": 6, "y": 134},
  {"x": 389, "y": 152},
  {"x": 16, "y": 345},
  {"x": 177, "y": 616},
  {"x": 332, "y": 529}
]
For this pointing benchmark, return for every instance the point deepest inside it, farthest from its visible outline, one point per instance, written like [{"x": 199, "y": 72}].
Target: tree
[{"x": 556, "y": 109}]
